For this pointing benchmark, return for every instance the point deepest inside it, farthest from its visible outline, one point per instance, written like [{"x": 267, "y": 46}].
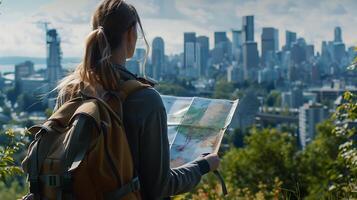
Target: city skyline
[{"x": 72, "y": 22}]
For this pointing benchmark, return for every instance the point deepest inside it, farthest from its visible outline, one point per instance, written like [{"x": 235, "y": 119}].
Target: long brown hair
[{"x": 110, "y": 21}]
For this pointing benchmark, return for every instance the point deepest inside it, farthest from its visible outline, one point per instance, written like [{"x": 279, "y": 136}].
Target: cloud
[{"x": 312, "y": 19}]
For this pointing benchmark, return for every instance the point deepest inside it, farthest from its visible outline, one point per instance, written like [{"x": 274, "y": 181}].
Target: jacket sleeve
[{"x": 158, "y": 180}]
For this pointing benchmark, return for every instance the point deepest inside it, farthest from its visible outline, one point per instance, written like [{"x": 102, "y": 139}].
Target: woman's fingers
[{"x": 213, "y": 161}]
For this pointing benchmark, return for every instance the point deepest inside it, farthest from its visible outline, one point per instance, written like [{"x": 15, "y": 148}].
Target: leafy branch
[
  {"x": 8, "y": 165},
  {"x": 345, "y": 117}
]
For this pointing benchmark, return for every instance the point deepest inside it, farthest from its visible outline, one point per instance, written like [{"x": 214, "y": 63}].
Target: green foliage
[
  {"x": 171, "y": 89},
  {"x": 263, "y": 169},
  {"x": 12, "y": 191},
  {"x": 223, "y": 90},
  {"x": 270, "y": 166},
  {"x": 345, "y": 182},
  {"x": 316, "y": 164},
  {"x": 273, "y": 99},
  {"x": 8, "y": 165},
  {"x": 268, "y": 155}
]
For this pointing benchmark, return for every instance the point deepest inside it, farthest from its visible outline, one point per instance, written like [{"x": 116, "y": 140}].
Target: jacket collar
[{"x": 125, "y": 73}]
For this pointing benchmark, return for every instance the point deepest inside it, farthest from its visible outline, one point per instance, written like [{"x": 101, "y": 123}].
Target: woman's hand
[{"x": 213, "y": 161}]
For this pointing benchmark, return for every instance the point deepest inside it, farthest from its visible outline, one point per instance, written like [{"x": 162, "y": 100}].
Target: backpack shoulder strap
[{"x": 131, "y": 86}]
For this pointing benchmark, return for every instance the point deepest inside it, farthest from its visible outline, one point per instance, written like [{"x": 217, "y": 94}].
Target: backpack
[{"x": 81, "y": 151}]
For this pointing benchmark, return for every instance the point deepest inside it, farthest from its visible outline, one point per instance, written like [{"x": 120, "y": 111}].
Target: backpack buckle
[{"x": 51, "y": 180}]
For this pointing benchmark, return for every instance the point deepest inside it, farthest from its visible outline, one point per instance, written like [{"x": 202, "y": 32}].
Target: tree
[
  {"x": 223, "y": 90},
  {"x": 171, "y": 89},
  {"x": 11, "y": 144},
  {"x": 274, "y": 99},
  {"x": 263, "y": 169},
  {"x": 345, "y": 180},
  {"x": 317, "y": 163}
]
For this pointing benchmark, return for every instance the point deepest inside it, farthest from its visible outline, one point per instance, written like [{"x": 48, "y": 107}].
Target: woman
[{"x": 112, "y": 41}]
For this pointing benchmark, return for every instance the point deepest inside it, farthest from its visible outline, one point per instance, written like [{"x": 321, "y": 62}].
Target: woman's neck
[{"x": 119, "y": 58}]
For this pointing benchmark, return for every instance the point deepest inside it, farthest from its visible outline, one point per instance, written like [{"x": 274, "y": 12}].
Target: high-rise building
[
  {"x": 250, "y": 60},
  {"x": 268, "y": 74},
  {"x": 338, "y": 34},
  {"x": 133, "y": 66},
  {"x": 248, "y": 28},
  {"x": 351, "y": 54},
  {"x": 235, "y": 74},
  {"x": 310, "y": 114},
  {"x": 191, "y": 57},
  {"x": 222, "y": 48},
  {"x": 203, "y": 43},
  {"x": 290, "y": 38},
  {"x": 54, "y": 57},
  {"x": 23, "y": 70},
  {"x": 270, "y": 44},
  {"x": 297, "y": 98},
  {"x": 298, "y": 51},
  {"x": 339, "y": 52},
  {"x": 189, "y": 54},
  {"x": 237, "y": 42},
  {"x": 158, "y": 57},
  {"x": 310, "y": 51},
  {"x": 140, "y": 56},
  {"x": 220, "y": 37}
]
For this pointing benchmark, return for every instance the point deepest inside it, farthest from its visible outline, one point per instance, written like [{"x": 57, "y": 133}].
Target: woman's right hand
[{"x": 213, "y": 161}]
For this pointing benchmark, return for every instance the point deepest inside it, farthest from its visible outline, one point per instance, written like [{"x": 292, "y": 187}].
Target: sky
[{"x": 314, "y": 20}]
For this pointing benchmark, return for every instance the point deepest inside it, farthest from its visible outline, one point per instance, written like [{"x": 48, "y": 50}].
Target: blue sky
[{"x": 312, "y": 19}]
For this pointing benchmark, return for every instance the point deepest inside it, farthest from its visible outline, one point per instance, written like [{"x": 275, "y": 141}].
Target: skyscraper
[
  {"x": 270, "y": 44},
  {"x": 158, "y": 57},
  {"x": 339, "y": 52},
  {"x": 189, "y": 49},
  {"x": 203, "y": 43},
  {"x": 222, "y": 48},
  {"x": 310, "y": 51},
  {"x": 298, "y": 51},
  {"x": 248, "y": 28},
  {"x": 338, "y": 47},
  {"x": 54, "y": 57},
  {"x": 338, "y": 34},
  {"x": 237, "y": 39},
  {"x": 220, "y": 37},
  {"x": 237, "y": 42},
  {"x": 191, "y": 57},
  {"x": 250, "y": 49},
  {"x": 250, "y": 60},
  {"x": 290, "y": 38}
]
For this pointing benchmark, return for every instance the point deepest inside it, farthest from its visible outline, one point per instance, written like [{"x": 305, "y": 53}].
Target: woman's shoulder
[{"x": 147, "y": 97}]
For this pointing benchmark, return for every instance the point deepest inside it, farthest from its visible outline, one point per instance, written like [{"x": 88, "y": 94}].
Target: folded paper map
[{"x": 196, "y": 125}]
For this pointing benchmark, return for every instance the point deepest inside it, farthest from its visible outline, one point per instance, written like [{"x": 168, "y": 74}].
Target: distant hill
[{"x": 37, "y": 60}]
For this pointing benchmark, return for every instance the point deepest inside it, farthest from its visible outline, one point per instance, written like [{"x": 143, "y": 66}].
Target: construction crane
[{"x": 45, "y": 25}]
